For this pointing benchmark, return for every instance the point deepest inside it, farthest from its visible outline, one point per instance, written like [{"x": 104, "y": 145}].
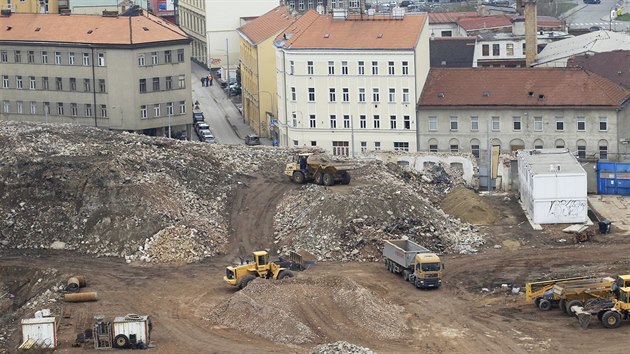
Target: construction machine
[
  {"x": 535, "y": 291},
  {"x": 315, "y": 167},
  {"x": 262, "y": 267},
  {"x": 610, "y": 313}
]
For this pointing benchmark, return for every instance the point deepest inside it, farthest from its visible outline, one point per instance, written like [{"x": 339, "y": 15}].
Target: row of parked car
[{"x": 202, "y": 128}]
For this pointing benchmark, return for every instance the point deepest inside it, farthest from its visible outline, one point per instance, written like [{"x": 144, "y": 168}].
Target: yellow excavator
[{"x": 262, "y": 267}]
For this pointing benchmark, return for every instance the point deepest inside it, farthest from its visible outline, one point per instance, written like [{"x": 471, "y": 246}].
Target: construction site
[{"x": 158, "y": 230}]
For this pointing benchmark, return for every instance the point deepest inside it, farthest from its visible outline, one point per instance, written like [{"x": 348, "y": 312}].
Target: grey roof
[
  {"x": 589, "y": 43},
  {"x": 551, "y": 161},
  {"x": 452, "y": 52}
]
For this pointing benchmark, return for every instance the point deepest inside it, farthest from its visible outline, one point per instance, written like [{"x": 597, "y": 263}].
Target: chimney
[{"x": 531, "y": 30}]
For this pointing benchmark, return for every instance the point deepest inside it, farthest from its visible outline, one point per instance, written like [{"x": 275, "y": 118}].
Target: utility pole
[{"x": 227, "y": 53}]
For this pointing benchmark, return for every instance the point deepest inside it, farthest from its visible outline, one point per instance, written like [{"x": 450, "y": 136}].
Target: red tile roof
[
  {"x": 322, "y": 32},
  {"x": 483, "y": 22},
  {"x": 93, "y": 29},
  {"x": 611, "y": 65},
  {"x": 449, "y": 17},
  {"x": 267, "y": 25},
  {"x": 524, "y": 87}
]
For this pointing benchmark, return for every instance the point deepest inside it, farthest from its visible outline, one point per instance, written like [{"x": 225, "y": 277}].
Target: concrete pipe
[
  {"x": 81, "y": 279},
  {"x": 80, "y": 297},
  {"x": 73, "y": 285}
]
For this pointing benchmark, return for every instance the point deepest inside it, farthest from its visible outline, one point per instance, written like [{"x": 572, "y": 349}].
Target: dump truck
[
  {"x": 609, "y": 312},
  {"x": 417, "y": 264},
  {"x": 535, "y": 291},
  {"x": 315, "y": 167},
  {"x": 262, "y": 267}
]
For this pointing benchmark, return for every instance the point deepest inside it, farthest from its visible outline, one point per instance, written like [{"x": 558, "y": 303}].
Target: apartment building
[
  {"x": 34, "y": 6},
  {"x": 349, "y": 84},
  {"x": 127, "y": 73},
  {"x": 474, "y": 109}
]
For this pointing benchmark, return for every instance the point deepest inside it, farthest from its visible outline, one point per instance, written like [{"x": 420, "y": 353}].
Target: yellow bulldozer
[{"x": 240, "y": 275}]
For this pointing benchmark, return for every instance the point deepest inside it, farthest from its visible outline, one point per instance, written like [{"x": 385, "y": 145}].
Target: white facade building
[{"x": 348, "y": 85}]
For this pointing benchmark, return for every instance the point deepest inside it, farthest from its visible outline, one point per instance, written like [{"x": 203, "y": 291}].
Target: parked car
[
  {"x": 595, "y": 28},
  {"x": 252, "y": 139},
  {"x": 405, "y": 3},
  {"x": 201, "y": 126},
  {"x": 209, "y": 140},
  {"x": 198, "y": 116},
  {"x": 235, "y": 90},
  {"x": 205, "y": 134},
  {"x": 224, "y": 83},
  {"x": 592, "y": 1}
]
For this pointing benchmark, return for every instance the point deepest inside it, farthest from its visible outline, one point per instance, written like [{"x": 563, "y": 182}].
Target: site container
[{"x": 42, "y": 330}]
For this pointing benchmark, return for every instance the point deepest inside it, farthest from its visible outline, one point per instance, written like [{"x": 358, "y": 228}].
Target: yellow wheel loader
[
  {"x": 262, "y": 267},
  {"x": 610, "y": 313}
]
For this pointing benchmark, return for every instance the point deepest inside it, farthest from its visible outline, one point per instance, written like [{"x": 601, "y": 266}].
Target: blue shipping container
[{"x": 613, "y": 178}]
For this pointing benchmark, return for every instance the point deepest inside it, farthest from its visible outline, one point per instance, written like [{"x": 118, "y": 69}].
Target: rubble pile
[
  {"x": 340, "y": 347},
  {"x": 351, "y": 224},
  {"x": 301, "y": 310}
]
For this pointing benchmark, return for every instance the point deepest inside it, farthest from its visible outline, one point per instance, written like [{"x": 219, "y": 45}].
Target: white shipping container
[
  {"x": 42, "y": 330},
  {"x": 133, "y": 324}
]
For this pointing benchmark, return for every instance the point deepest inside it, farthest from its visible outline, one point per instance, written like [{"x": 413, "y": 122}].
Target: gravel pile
[
  {"x": 309, "y": 309},
  {"x": 340, "y": 347}
]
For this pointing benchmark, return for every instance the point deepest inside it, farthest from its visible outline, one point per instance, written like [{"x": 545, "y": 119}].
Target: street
[{"x": 590, "y": 15}]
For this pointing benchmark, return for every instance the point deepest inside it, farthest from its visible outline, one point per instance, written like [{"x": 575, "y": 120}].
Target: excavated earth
[{"x": 153, "y": 222}]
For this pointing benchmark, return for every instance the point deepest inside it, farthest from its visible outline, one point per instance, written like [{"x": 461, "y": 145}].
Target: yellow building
[
  {"x": 34, "y": 6},
  {"x": 258, "y": 70}
]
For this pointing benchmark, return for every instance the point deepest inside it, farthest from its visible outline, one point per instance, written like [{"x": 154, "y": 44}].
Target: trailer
[
  {"x": 535, "y": 291},
  {"x": 417, "y": 264},
  {"x": 576, "y": 292},
  {"x": 129, "y": 331}
]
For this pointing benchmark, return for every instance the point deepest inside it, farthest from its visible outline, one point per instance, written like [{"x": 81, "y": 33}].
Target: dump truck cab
[{"x": 428, "y": 270}]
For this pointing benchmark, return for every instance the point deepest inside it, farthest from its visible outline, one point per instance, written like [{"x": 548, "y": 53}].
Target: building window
[
  {"x": 182, "y": 107},
  {"x": 475, "y": 150},
  {"x": 433, "y": 124},
  {"x": 60, "y": 108},
  {"x": 5, "y": 81},
  {"x": 362, "y": 121},
  {"x": 374, "y": 68},
  {"x": 31, "y": 83},
  {"x": 361, "y": 95},
  {"x": 86, "y": 59},
  {"x": 559, "y": 123},
  {"x": 331, "y": 68},
  {"x": 454, "y": 148},
  {"x": 405, "y": 95},
  {"x": 169, "y": 108},
  {"x": 44, "y": 83},
  {"x": 346, "y": 121},
  {"x": 293, "y": 94},
  {"x": 71, "y": 58},
  {"x": 392, "y": 122},
  {"x": 509, "y": 49},
  {"x": 538, "y": 124},
  {"x": 581, "y": 150},
  {"x": 73, "y": 109},
  {"x": 17, "y": 56},
  {"x": 57, "y": 58},
  {"x": 496, "y": 123},
  {"x": 485, "y": 50},
  {"x": 143, "y": 111},
  {"x": 392, "y": 95},
  {"x": 603, "y": 124},
  {"x": 581, "y": 124},
  {"x": 603, "y": 152},
  {"x": 101, "y": 59},
  {"x": 344, "y": 68},
  {"x": 474, "y": 123},
  {"x": 377, "y": 146},
  {"x": 377, "y": 122},
  {"x": 333, "y": 121},
  {"x": 31, "y": 57},
  {"x": 6, "y": 107},
  {"x": 180, "y": 55},
  {"x": 181, "y": 81},
  {"x": 516, "y": 124},
  {"x": 401, "y": 146},
  {"x": 167, "y": 56},
  {"x": 58, "y": 84},
  {"x": 101, "y": 85},
  {"x": 87, "y": 87},
  {"x": 454, "y": 124},
  {"x": 433, "y": 148},
  {"x": 156, "y": 110},
  {"x": 390, "y": 68},
  {"x": 361, "y": 68},
  {"x": 141, "y": 61},
  {"x": 73, "y": 84},
  {"x": 18, "y": 82},
  {"x": 407, "y": 122},
  {"x": 340, "y": 148},
  {"x": 405, "y": 68},
  {"x": 19, "y": 107},
  {"x": 294, "y": 119},
  {"x": 88, "y": 110},
  {"x": 44, "y": 57},
  {"x": 331, "y": 95},
  {"x": 156, "y": 84},
  {"x": 154, "y": 58},
  {"x": 559, "y": 144},
  {"x": 363, "y": 146},
  {"x": 312, "y": 122},
  {"x": 446, "y": 34},
  {"x": 33, "y": 107},
  {"x": 169, "y": 82},
  {"x": 309, "y": 67},
  {"x": 291, "y": 67},
  {"x": 46, "y": 107},
  {"x": 375, "y": 95},
  {"x": 496, "y": 50},
  {"x": 311, "y": 94}
]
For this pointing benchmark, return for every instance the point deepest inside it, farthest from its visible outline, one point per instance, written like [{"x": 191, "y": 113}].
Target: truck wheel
[
  {"x": 245, "y": 280},
  {"x": 571, "y": 304},
  {"x": 600, "y": 315},
  {"x": 611, "y": 319},
  {"x": 285, "y": 274},
  {"x": 319, "y": 179},
  {"x": 345, "y": 178},
  {"x": 328, "y": 179},
  {"x": 544, "y": 305},
  {"x": 121, "y": 341},
  {"x": 562, "y": 306},
  {"x": 537, "y": 301},
  {"x": 298, "y": 177}
]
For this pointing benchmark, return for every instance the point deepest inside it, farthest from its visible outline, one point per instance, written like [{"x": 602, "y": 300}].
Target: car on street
[
  {"x": 595, "y": 28},
  {"x": 252, "y": 139},
  {"x": 201, "y": 126},
  {"x": 205, "y": 134},
  {"x": 592, "y": 1}
]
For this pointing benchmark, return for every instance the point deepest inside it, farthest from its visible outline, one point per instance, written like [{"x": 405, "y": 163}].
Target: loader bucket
[{"x": 583, "y": 317}]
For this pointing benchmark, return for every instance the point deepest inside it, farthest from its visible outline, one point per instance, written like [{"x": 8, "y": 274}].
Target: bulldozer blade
[{"x": 584, "y": 318}]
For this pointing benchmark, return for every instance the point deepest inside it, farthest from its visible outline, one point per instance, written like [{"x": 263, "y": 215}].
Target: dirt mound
[
  {"x": 469, "y": 207},
  {"x": 310, "y": 310}
]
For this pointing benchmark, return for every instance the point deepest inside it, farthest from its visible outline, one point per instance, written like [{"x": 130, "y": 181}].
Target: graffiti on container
[
  {"x": 567, "y": 207},
  {"x": 215, "y": 61}
]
